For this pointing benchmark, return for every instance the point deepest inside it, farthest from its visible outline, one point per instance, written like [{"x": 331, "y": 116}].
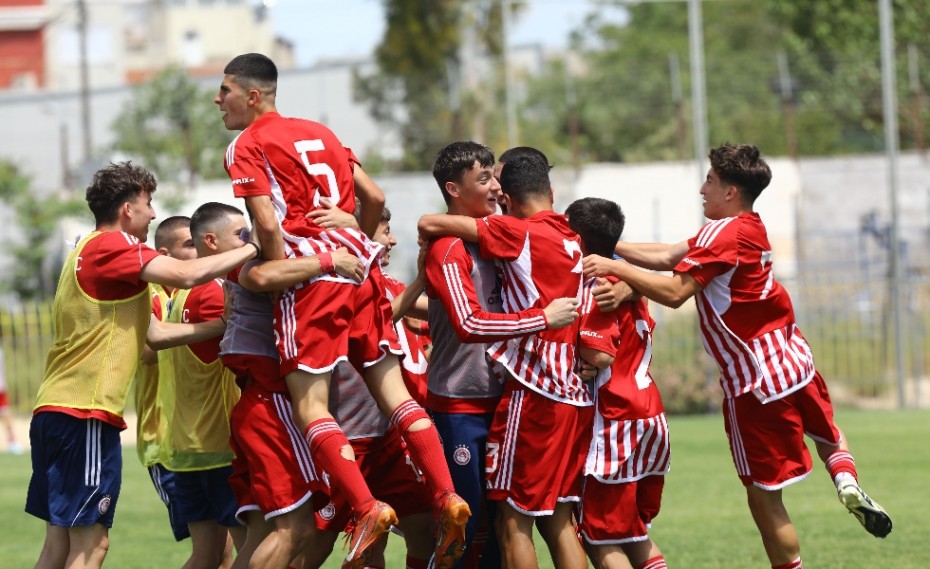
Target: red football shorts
[
  {"x": 325, "y": 322},
  {"x": 536, "y": 449},
  {"x": 767, "y": 441},
  {"x": 391, "y": 477},
  {"x": 272, "y": 471},
  {"x": 619, "y": 513}
]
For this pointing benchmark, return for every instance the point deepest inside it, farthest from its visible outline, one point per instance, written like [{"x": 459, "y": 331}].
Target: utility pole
[
  {"x": 679, "y": 101},
  {"x": 913, "y": 73},
  {"x": 698, "y": 88},
  {"x": 571, "y": 101},
  {"x": 509, "y": 88},
  {"x": 890, "y": 108},
  {"x": 787, "y": 101},
  {"x": 85, "y": 79}
]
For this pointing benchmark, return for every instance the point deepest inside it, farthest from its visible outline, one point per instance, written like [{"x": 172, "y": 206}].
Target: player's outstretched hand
[
  {"x": 348, "y": 265},
  {"x": 561, "y": 312},
  {"x": 597, "y": 266},
  {"x": 329, "y": 216}
]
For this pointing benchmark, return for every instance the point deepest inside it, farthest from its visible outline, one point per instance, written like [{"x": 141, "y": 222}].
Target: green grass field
[{"x": 704, "y": 521}]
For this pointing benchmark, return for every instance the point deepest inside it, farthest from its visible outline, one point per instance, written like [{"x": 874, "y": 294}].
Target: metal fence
[{"x": 841, "y": 299}]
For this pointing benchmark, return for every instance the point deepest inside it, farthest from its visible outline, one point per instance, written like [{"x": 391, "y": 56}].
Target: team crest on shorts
[
  {"x": 462, "y": 455},
  {"x": 328, "y": 512},
  {"x": 103, "y": 505}
]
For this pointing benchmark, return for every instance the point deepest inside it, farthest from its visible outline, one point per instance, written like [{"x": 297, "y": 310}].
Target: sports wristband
[
  {"x": 258, "y": 250},
  {"x": 326, "y": 262}
]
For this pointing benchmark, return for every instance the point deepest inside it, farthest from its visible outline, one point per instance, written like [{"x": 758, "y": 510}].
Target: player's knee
[{"x": 410, "y": 417}]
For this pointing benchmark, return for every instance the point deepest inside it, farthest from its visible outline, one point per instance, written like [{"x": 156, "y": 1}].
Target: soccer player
[
  {"x": 276, "y": 484},
  {"x": 465, "y": 316},
  {"x": 13, "y": 445},
  {"x": 283, "y": 168},
  {"x": 412, "y": 339},
  {"x": 773, "y": 394},
  {"x": 629, "y": 452},
  {"x": 388, "y": 470},
  {"x": 172, "y": 238},
  {"x": 534, "y": 449},
  {"x": 197, "y": 393},
  {"x": 102, "y": 310}
]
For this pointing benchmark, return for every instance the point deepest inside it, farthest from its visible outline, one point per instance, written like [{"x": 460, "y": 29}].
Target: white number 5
[{"x": 315, "y": 169}]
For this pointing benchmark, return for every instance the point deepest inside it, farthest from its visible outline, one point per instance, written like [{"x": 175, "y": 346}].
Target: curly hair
[
  {"x": 743, "y": 166},
  {"x": 115, "y": 185}
]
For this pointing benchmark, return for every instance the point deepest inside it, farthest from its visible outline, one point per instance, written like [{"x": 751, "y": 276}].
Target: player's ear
[
  {"x": 452, "y": 189},
  {"x": 209, "y": 240}
]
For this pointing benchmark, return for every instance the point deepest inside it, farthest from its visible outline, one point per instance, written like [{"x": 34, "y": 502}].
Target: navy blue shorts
[
  {"x": 206, "y": 495},
  {"x": 76, "y": 470},
  {"x": 163, "y": 479}
]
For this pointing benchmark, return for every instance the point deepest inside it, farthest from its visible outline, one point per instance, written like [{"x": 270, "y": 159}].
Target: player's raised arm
[
  {"x": 440, "y": 224},
  {"x": 654, "y": 256},
  {"x": 188, "y": 274},
  {"x": 270, "y": 276},
  {"x": 266, "y": 227},
  {"x": 163, "y": 335},
  {"x": 371, "y": 198}
]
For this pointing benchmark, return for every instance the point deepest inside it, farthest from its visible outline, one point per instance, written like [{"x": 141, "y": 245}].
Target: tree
[
  {"x": 173, "y": 127},
  {"x": 37, "y": 220},
  {"x": 417, "y": 86}
]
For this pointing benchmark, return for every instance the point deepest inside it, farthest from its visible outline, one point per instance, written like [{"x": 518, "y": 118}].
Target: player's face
[
  {"x": 141, "y": 214},
  {"x": 182, "y": 245},
  {"x": 384, "y": 236},
  {"x": 714, "y": 196},
  {"x": 479, "y": 191},
  {"x": 229, "y": 237},
  {"x": 233, "y": 100}
]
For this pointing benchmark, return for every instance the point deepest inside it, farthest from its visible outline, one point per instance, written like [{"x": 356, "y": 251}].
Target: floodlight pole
[
  {"x": 698, "y": 89},
  {"x": 890, "y": 108}
]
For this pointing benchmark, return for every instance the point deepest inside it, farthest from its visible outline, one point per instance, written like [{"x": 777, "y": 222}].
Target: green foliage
[
  {"x": 37, "y": 220},
  {"x": 416, "y": 87},
  {"x": 172, "y": 126}
]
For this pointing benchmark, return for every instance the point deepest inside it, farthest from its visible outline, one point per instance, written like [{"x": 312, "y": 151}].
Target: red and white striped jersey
[
  {"x": 413, "y": 364},
  {"x": 627, "y": 450},
  {"x": 541, "y": 261},
  {"x": 296, "y": 162},
  {"x": 746, "y": 316}
]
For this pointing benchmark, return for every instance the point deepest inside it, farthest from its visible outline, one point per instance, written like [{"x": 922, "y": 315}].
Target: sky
[{"x": 338, "y": 28}]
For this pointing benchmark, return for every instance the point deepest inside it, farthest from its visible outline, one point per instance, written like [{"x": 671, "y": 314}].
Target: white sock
[{"x": 844, "y": 479}]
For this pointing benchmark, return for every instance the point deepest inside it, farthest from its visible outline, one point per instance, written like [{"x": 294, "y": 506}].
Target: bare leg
[
  {"x": 515, "y": 535},
  {"x": 639, "y": 552},
  {"x": 608, "y": 557},
  {"x": 292, "y": 531},
  {"x": 208, "y": 542},
  {"x": 418, "y": 534},
  {"x": 257, "y": 529},
  {"x": 89, "y": 545},
  {"x": 559, "y": 534},
  {"x": 55, "y": 549},
  {"x": 317, "y": 550},
  {"x": 310, "y": 396},
  {"x": 778, "y": 534}
]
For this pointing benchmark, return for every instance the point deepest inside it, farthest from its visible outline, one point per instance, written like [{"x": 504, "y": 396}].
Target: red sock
[
  {"x": 657, "y": 562},
  {"x": 326, "y": 440},
  {"x": 413, "y": 563},
  {"x": 841, "y": 461},
  {"x": 424, "y": 446},
  {"x": 796, "y": 564}
]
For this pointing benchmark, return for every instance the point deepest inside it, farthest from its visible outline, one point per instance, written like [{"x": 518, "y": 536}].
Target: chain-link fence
[{"x": 841, "y": 296}]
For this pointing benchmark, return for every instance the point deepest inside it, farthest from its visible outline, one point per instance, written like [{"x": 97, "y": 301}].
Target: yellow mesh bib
[
  {"x": 197, "y": 399},
  {"x": 97, "y": 345}
]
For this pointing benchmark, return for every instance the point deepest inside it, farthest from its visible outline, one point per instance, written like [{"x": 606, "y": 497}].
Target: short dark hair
[
  {"x": 743, "y": 166},
  {"x": 167, "y": 227},
  {"x": 207, "y": 217},
  {"x": 254, "y": 69},
  {"x": 525, "y": 177},
  {"x": 521, "y": 151},
  {"x": 457, "y": 158},
  {"x": 114, "y": 185},
  {"x": 598, "y": 222}
]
